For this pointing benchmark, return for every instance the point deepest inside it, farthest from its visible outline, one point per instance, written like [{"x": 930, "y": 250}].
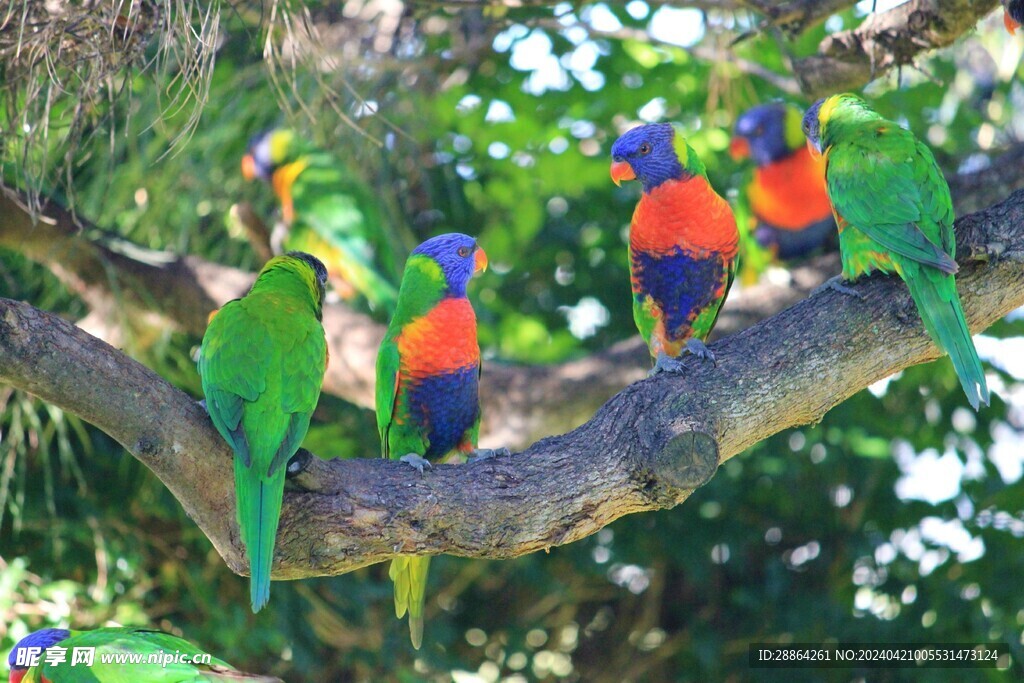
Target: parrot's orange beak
[
  {"x": 16, "y": 676},
  {"x": 621, "y": 170},
  {"x": 739, "y": 148},
  {"x": 815, "y": 154},
  {"x": 1010, "y": 23},
  {"x": 480, "y": 258},
  {"x": 248, "y": 167}
]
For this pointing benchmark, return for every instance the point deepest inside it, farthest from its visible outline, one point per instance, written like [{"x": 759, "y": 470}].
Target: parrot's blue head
[
  {"x": 767, "y": 133},
  {"x": 812, "y": 125},
  {"x": 1014, "y": 16},
  {"x": 647, "y": 153},
  {"x": 43, "y": 639},
  {"x": 267, "y": 152},
  {"x": 257, "y": 163},
  {"x": 459, "y": 257}
]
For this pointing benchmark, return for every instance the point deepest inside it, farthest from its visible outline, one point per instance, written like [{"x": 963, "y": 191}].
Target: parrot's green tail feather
[
  {"x": 937, "y": 301},
  {"x": 410, "y": 577},
  {"x": 259, "y": 510}
]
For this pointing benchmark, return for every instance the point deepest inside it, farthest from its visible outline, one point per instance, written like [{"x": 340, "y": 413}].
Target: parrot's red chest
[
  {"x": 685, "y": 214},
  {"x": 442, "y": 341},
  {"x": 790, "y": 193}
]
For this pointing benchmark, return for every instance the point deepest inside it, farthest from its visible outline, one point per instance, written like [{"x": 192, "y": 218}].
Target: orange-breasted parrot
[
  {"x": 1013, "y": 15},
  {"x": 326, "y": 211},
  {"x": 262, "y": 362},
  {"x": 682, "y": 243},
  {"x": 787, "y": 193},
  {"x": 895, "y": 214},
  {"x": 118, "y": 655},
  {"x": 428, "y": 370}
]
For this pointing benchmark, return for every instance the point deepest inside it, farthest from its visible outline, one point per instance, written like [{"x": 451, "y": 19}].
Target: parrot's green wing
[
  {"x": 302, "y": 375},
  {"x": 882, "y": 182},
  {"x": 230, "y": 372},
  {"x": 386, "y": 391}
]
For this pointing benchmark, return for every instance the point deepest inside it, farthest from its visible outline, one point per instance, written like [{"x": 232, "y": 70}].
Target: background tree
[{"x": 896, "y": 517}]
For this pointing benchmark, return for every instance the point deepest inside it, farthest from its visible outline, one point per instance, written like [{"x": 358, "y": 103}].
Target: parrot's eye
[
  {"x": 463, "y": 252},
  {"x": 645, "y": 148},
  {"x": 759, "y": 131}
]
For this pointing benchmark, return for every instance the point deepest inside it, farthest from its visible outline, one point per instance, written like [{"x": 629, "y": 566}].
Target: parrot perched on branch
[
  {"x": 787, "y": 194},
  {"x": 262, "y": 362},
  {"x": 171, "y": 663},
  {"x": 428, "y": 370},
  {"x": 682, "y": 243},
  {"x": 326, "y": 213},
  {"x": 895, "y": 214},
  {"x": 1013, "y": 14}
]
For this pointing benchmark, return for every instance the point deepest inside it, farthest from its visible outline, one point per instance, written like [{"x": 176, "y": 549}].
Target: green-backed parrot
[
  {"x": 262, "y": 362},
  {"x": 326, "y": 212},
  {"x": 894, "y": 213}
]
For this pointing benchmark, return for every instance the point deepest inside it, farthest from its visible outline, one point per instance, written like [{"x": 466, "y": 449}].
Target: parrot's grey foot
[
  {"x": 297, "y": 463},
  {"x": 416, "y": 462},
  {"x": 836, "y": 283},
  {"x": 202, "y": 404},
  {"x": 699, "y": 349},
  {"x": 666, "y": 363},
  {"x": 486, "y": 453}
]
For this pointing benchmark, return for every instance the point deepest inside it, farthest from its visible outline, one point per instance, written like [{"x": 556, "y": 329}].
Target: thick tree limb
[
  {"x": 127, "y": 286},
  {"x": 649, "y": 447},
  {"x": 851, "y": 59}
]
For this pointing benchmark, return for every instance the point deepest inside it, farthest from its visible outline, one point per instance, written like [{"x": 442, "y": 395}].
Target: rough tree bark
[
  {"x": 649, "y": 447},
  {"x": 851, "y": 59},
  {"x": 127, "y": 286}
]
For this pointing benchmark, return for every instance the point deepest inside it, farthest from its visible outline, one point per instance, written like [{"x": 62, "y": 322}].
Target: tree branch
[
  {"x": 130, "y": 287},
  {"x": 851, "y": 59},
  {"x": 649, "y": 447}
]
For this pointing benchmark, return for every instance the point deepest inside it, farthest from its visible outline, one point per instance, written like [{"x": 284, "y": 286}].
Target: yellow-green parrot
[{"x": 895, "y": 215}]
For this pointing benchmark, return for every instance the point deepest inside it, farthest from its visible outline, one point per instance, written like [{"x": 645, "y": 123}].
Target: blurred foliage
[{"x": 898, "y": 518}]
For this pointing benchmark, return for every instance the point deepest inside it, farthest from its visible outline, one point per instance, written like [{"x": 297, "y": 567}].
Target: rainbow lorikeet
[
  {"x": 46, "y": 656},
  {"x": 895, "y": 214},
  {"x": 428, "y": 371},
  {"x": 326, "y": 212},
  {"x": 682, "y": 243},
  {"x": 787, "y": 194},
  {"x": 1013, "y": 15},
  {"x": 262, "y": 361}
]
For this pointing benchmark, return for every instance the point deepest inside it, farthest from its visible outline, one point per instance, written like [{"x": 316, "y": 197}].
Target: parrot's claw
[
  {"x": 486, "y": 453},
  {"x": 202, "y": 404},
  {"x": 665, "y": 363},
  {"x": 836, "y": 283},
  {"x": 699, "y": 349},
  {"x": 416, "y": 462}
]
